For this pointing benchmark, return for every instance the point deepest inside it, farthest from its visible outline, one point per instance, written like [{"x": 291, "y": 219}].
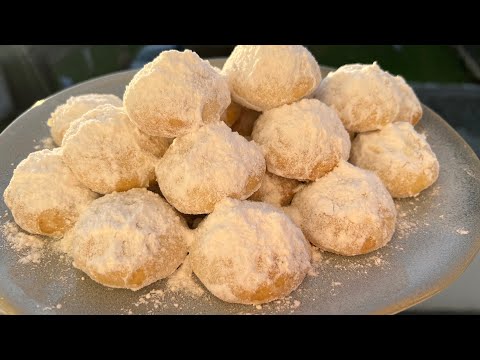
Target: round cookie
[
  {"x": 129, "y": 240},
  {"x": 410, "y": 107},
  {"x": 75, "y": 107},
  {"x": 108, "y": 153},
  {"x": 44, "y": 196},
  {"x": 303, "y": 140},
  {"x": 175, "y": 94},
  {"x": 249, "y": 253},
  {"x": 400, "y": 156},
  {"x": 201, "y": 168},
  {"x": 263, "y": 77},
  {"x": 348, "y": 211},
  {"x": 276, "y": 190},
  {"x": 364, "y": 96}
]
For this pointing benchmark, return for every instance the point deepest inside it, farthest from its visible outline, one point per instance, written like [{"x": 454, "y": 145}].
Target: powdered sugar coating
[
  {"x": 303, "y": 140},
  {"x": 263, "y": 77},
  {"x": 74, "y": 108},
  {"x": 365, "y": 97},
  {"x": 348, "y": 211},
  {"x": 249, "y": 252},
  {"x": 410, "y": 107},
  {"x": 175, "y": 94},
  {"x": 129, "y": 239},
  {"x": 44, "y": 196},
  {"x": 400, "y": 156},
  {"x": 107, "y": 153},
  {"x": 201, "y": 168},
  {"x": 276, "y": 190}
]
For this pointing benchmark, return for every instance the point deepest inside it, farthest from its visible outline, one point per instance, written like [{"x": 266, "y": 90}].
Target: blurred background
[{"x": 445, "y": 77}]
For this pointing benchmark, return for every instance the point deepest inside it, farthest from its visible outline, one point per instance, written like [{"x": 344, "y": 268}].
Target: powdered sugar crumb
[
  {"x": 404, "y": 227},
  {"x": 45, "y": 143},
  {"x": 154, "y": 297},
  {"x": 362, "y": 264},
  {"x": 54, "y": 307},
  {"x": 183, "y": 281},
  {"x": 316, "y": 261},
  {"x": 30, "y": 247},
  {"x": 286, "y": 304},
  {"x": 462, "y": 231},
  {"x": 180, "y": 283}
]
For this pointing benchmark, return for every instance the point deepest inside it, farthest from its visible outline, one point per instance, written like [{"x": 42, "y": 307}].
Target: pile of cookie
[{"x": 239, "y": 169}]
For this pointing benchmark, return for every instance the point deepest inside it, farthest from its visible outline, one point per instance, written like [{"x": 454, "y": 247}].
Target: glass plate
[{"x": 437, "y": 237}]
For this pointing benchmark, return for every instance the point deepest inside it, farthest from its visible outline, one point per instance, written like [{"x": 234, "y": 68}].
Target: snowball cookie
[
  {"x": 129, "y": 240},
  {"x": 364, "y": 96},
  {"x": 107, "y": 153},
  {"x": 263, "y": 77},
  {"x": 276, "y": 190},
  {"x": 303, "y": 140},
  {"x": 249, "y": 253},
  {"x": 74, "y": 108},
  {"x": 44, "y": 196},
  {"x": 400, "y": 156},
  {"x": 203, "y": 167},
  {"x": 232, "y": 113},
  {"x": 410, "y": 107},
  {"x": 176, "y": 94},
  {"x": 348, "y": 211}
]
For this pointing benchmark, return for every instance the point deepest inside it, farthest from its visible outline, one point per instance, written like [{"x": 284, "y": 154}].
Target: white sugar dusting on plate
[
  {"x": 404, "y": 225},
  {"x": 286, "y": 304},
  {"x": 182, "y": 280},
  {"x": 45, "y": 143},
  {"x": 30, "y": 247},
  {"x": 316, "y": 261}
]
